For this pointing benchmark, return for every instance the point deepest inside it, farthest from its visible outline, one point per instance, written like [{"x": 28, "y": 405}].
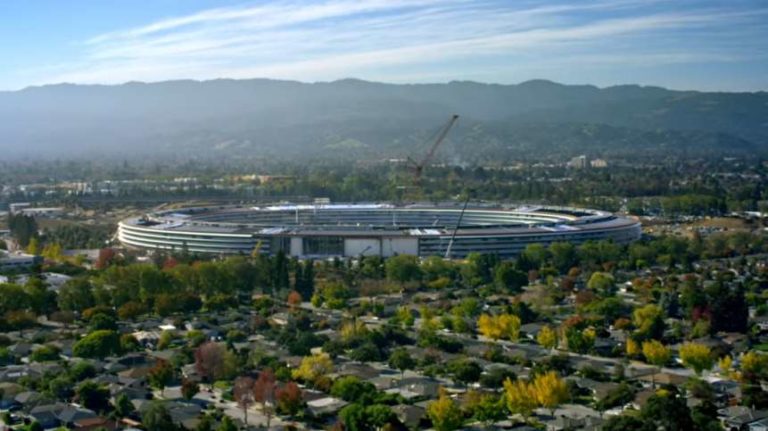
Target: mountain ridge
[{"x": 285, "y": 118}]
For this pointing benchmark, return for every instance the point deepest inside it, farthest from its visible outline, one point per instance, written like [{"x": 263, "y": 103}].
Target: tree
[
  {"x": 502, "y": 326},
  {"x": 213, "y": 361},
  {"x": 625, "y": 423},
  {"x": 655, "y": 354},
  {"x": 243, "y": 394},
  {"x": 696, "y": 356},
  {"x": 400, "y": 359},
  {"x": 130, "y": 310},
  {"x": 444, "y": 413},
  {"x": 465, "y": 371},
  {"x": 227, "y": 424},
  {"x": 102, "y": 321},
  {"x": 97, "y": 344},
  {"x": 353, "y": 417},
  {"x": 33, "y": 247},
  {"x": 189, "y": 388},
  {"x": 23, "y": 228},
  {"x": 264, "y": 392},
  {"x": 313, "y": 367},
  {"x": 161, "y": 375},
  {"x": 509, "y": 278},
  {"x": 487, "y": 409},
  {"x": 563, "y": 255},
  {"x": 550, "y": 390},
  {"x": 289, "y": 399},
  {"x": 649, "y": 321},
  {"x": 352, "y": 389},
  {"x": 602, "y": 282},
  {"x": 93, "y": 396},
  {"x": 578, "y": 340},
  {"x": 403, "y": 268},
  {"x": 294, "y": 299},
  {"x": 123, "y": 406},
  {"x": 76, "y": 295},
  {"x": 667, "y": 410},
  {"x": 157, "y": 418},
  {"x": 45, "y": 353},
  {"x": 519, "y": 397},
  {"x": 547, "y": 338}
]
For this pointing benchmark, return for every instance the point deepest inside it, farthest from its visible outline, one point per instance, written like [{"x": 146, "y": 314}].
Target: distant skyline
[{"x": 680, "y": 44}]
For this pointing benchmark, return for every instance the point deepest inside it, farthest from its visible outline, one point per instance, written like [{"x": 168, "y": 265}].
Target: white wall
[
  {"x": 362, "y": 246},
  {"x": 297, "y": 246},
  {"x": 393, "y": 246}
]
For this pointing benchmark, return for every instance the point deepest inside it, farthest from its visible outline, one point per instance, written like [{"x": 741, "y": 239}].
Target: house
[
  {"x": 416, "y": 387},
  {"x": 325, "y": 406},
  {"x": 71, "y": 414},
  {"x": 739, "y": 417},
  {"x": 759, "y": 425},
  {"x": 531, "y": 330},
  {"x": 47, "y": 414},
  {"x": 410, "y": 416},
  {"x": 95, "y": 424},
  {"x": 663, "y": 379}
]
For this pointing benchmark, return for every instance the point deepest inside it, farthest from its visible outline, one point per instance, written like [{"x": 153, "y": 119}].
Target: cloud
[{"x": 365, "y": 38}]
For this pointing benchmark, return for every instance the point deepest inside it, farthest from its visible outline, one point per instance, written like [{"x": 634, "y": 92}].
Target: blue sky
[{"x": 683, "y": 44}]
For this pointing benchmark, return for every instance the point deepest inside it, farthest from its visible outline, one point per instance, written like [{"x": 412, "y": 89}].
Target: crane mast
[{"x": 418, "y": 168}]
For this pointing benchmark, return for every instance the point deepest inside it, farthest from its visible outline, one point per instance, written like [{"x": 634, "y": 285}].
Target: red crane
[{"x": 418, "y": 168}]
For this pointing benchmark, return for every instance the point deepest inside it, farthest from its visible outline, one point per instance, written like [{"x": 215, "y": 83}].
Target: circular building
[{"x": 377, "y": 229}]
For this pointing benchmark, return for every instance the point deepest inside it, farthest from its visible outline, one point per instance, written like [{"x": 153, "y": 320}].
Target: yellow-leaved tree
[
  {"x": 519, "y": 397},
  {"x": 725, "y": 364},
  {"x": 444, "y": 413},
  {"x": 313, "y": 368},
  {"x": 697, "y": 357},
  {"x": 547, "y": 338},
  {"x": 550, "y": 390},
  {"x": 486, "y": 324},
  {"x": 655, "y": 354},
  {"x": 505, "y": 326},
  {"x": 754, "y": 367},
  {"x": 509, "y": 325},
  {"x": 633, "y": 348}
]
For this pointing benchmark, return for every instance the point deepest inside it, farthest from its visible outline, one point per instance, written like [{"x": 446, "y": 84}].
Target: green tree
[
  {"x": 227, "y": 424},
  {"x": 563, "y": 256},
  {"x": 93, "y": 396},
  {"x": 648, "y": 321},
  {"x": 465, "y": 371},
  {"x": 603, "y": 283},
  {"x": 161, "y": 375},
  {"x": 97, "y": 344},
  {"x": 508, "y": 278},
  {"x": 45, "y": 353},
  {"x": 157, "y": 418},
  {"x": 400, "y": 359},
  {"x": 123, "y": 406},
  {"x": 76, "y": 295},
  {"x": 353, "y": 417},
  {"x": 403, "y": 268}
]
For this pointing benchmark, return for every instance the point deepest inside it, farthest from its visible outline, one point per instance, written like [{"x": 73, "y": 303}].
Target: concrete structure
[
  {"x": 378, "y": 229},
  {"x": 17, "y": 261}
]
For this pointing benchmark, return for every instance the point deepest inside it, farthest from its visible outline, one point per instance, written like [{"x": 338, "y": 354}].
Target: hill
[{"x": 359, "y": 119}]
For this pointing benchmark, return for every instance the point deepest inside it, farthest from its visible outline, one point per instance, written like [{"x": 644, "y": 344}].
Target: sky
[{"x": 682, "y": 44}]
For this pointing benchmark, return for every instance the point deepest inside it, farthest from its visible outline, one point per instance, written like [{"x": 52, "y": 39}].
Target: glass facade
[{"x": 324, "y": 246}]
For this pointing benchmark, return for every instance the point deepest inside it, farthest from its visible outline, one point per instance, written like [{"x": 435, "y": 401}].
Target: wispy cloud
[{"x": 373, "y": 38}]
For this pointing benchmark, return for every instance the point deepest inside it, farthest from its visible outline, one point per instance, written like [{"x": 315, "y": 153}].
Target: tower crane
[{"x": 418, "y": 167}]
